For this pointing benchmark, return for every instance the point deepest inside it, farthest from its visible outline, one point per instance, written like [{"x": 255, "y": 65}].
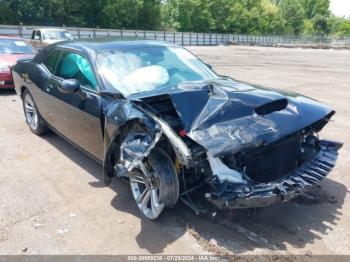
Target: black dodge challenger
[{"x": 154, "y": 114}]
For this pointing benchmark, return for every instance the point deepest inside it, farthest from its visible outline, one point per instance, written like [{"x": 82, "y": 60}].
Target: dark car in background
[
  {"x": 154, "y": 114},
  {"x": 11, "y": 50}
]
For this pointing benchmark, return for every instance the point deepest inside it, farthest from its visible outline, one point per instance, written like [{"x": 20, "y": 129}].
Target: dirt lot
[{"x": 54, "y": 202}]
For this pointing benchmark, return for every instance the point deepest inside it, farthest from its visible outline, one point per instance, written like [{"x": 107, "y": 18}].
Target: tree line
[{"x": 257, "y": 17}]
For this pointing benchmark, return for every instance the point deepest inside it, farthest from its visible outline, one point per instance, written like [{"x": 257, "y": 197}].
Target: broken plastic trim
[
  {"x": 135, "y": 147},
  {"x": 139, "y": 140},
  {"x": 183, "y": 153},
  {"x": 223, "y": 172},
  {"x": 230, "y": 196},
  {"x": 138, "y": 145}
]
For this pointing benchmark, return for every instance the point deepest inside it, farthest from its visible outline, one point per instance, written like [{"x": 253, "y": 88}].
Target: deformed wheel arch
[
  {"x": 158, "y": 132},
  {"x": 113, "y": 145}
]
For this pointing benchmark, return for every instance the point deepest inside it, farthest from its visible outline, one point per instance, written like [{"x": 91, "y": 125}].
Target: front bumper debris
[{"x": 231, "y": 196}]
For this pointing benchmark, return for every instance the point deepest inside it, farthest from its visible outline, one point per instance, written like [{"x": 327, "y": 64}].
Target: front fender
[{"x": 130, "y": 135}]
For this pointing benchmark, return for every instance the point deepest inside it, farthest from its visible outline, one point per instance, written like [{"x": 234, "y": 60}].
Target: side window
[
  {"x": 75, "y": 66},
  {"x": 51, "y": 61},
  {"x": 33, "y": 34},
  {"x": 38, "y": 33}
]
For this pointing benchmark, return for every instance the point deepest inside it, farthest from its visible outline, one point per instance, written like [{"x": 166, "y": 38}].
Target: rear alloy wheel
[
  {"x": 34, "y": 120},
  {"x": 154, "y": 184}
]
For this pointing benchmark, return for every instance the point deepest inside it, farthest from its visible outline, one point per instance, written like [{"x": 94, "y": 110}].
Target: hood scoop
[{"x": 277, "y": 105}]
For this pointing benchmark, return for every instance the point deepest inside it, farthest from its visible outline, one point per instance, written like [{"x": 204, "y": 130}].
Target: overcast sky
[{"x": 340, "y": 7}]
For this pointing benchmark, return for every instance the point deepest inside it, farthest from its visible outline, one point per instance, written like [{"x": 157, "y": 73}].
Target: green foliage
[
  {"x": 293, "y": 13},
  {"x": 340, "y": 26},
  {"x": 272, "y": 21},
  {"x": 344, "y": 28},
  {"x": 317, "y": 11},
  {"x": 149, "y": 15},
  {"x": 142, "y": 14},
  {"x": 132, "y": 14},
  {"x": 260, "y": 17},
  {"x": 223, "y": 16},
  {"x": 120, "y": 13},
  {"x": 314, "y": 7},
  {"x": 189, "y": 15},
  {"x": 308, "y": 28},
  {"x": 93, "y": 12}
]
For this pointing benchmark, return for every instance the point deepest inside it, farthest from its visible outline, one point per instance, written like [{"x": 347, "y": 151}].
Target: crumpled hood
[{"x": 227, "y": 116}]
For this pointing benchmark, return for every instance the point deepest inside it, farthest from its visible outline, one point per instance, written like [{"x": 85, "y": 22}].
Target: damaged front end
[
  {"x": 283, "y": 176},
  {"x": 248, "y": 147},
  {"x": 133, "y": 133},
  {"x": 236, "y": 145}
]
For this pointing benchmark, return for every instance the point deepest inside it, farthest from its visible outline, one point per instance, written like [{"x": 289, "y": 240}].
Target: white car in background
[{"x": 47, "y": 36}]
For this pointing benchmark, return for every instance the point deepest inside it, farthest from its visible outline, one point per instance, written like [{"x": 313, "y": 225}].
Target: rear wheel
[
  {"x": 33, "y": 118},
  {"x": 154, "y": 184}
]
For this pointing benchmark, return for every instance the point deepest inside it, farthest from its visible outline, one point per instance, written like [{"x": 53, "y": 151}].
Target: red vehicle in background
[{"x": 12, "y": 49}]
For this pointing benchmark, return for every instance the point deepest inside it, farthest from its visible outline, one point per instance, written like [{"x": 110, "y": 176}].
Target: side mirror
[
  {"x": 36, "y": 37},
  {"x": 69, "y": 86}
]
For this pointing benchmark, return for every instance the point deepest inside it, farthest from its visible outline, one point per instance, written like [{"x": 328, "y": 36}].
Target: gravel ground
[{"x": 53, "y": 200}]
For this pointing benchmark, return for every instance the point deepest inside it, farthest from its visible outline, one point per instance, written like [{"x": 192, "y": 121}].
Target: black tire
[
  {"x": 165, "y": 171},
  {"x": 33, "y": 118},
  {"x": 165, "y": 182}
]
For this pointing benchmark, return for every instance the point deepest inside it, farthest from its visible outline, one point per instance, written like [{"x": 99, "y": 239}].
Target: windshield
[
  {"x": 57, "y": 35},
  {"x": 139, "y": 70},
  {"x": 14, "y": 46}
]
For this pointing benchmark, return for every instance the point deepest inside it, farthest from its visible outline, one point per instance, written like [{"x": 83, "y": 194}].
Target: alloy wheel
[
  {"x": 30, "y": 112},
  {"x": 145, "y": 187}
]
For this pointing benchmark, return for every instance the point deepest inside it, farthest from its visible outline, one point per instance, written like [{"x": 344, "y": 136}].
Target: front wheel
[
  {"x": 154, "y": 184},
  {"x": 33, "y": 118}
]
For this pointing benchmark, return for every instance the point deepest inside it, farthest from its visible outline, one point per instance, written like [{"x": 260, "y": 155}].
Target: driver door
[{"x": 77, "y": 115}]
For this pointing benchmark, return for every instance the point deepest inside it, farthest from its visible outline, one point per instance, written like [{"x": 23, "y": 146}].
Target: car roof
[
  {"x": 103, "y": 44},
  {"x": 94, "y": 46}
]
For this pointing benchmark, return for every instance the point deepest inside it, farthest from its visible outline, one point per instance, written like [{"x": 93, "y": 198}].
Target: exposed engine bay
[{"x": 236, "y": 154}]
